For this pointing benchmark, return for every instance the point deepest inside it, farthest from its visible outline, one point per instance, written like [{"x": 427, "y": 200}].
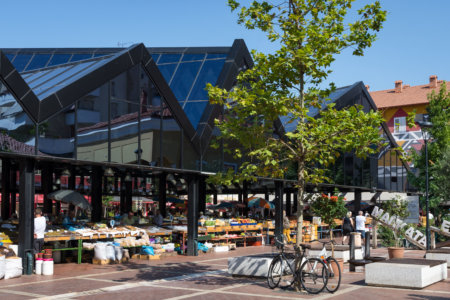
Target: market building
[{"x": 137, "y": 121}]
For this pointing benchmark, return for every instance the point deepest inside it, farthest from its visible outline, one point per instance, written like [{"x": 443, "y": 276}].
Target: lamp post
[{"x": 425, "y": 126}]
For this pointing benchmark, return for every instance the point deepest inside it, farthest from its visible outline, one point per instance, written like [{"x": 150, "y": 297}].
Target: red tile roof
[
  {"x": 410, "y": 95},
  {"x": 8, "y": 144}
]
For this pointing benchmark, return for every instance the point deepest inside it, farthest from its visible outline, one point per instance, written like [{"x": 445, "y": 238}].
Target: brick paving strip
[{"x": 244, "y": 290}]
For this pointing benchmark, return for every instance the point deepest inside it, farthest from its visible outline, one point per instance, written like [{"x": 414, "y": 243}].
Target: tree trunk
[{"x": 300, "y": 192}]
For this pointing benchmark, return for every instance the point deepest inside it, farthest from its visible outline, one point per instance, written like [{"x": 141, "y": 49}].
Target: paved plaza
[{"x": 182, "y": 277}]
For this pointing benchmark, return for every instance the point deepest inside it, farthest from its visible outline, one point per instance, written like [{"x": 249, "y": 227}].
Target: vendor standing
[
  {"x": 39, "y": 230},
  {"x": 129, "y": 219}
]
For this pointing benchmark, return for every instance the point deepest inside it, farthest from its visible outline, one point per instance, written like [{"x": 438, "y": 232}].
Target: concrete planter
[{"x": 396, "y": 252}]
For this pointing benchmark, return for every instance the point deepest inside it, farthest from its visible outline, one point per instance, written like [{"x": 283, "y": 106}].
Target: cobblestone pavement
[{"x": 182, "y": 277}]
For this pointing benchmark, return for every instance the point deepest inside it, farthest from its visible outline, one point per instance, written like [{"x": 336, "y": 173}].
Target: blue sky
[{"x": 413, "y": 45}]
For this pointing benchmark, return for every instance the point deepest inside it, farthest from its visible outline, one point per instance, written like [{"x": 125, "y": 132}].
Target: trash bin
[{"x": 357, "y": 238}]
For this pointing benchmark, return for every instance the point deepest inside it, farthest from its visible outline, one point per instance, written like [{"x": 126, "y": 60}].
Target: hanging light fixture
[
  {"x": 108, "y": 172},
  {"x": 66, "y": 172},
  {"x": 128, "y": 177}
]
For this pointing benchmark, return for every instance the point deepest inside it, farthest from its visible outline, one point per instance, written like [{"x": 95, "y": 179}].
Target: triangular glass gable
[{"x": 187, "y": 75}]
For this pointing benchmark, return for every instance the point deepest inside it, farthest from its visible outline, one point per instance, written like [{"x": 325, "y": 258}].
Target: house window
[{"x": 400, "y": 124}]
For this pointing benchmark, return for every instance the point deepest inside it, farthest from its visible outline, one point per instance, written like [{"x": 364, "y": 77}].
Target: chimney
[
  {"x": 398, "y": 86},
  {"x": 367, "y": 87},
  {"x": 433, "y": 81}
]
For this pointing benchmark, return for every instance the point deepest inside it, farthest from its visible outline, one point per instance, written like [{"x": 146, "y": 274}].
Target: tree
[
  {"x": 286, "y": 84},
  {"x": 439, "y": 114}
]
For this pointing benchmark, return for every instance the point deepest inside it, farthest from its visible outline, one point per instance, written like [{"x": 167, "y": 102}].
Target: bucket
[
  {"x": 2, "y": 266},
  {"x": 357, "y": 238},
  {"x": 56, "y": 257},
  {"x": 47, "y": 267},
  {"x": 38, "y": 267}
]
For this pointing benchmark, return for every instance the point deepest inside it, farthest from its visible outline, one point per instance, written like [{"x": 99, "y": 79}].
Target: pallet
[
  {"x": 108, "y": 261},
  {"x": 146, "y": 257}
]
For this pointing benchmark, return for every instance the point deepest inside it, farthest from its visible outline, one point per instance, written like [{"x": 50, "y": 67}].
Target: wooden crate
[
  {"x": 101, "y": 261},
  {"x": 150, "y": 257}
]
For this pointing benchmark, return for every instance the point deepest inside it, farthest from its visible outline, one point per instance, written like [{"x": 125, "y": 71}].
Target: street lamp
[{"x": 425, "y": 126}]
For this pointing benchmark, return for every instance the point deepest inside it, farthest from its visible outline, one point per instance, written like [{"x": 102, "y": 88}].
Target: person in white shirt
[
  {"x": 39, "y": 229},
  {"x": 360, "y": 222}
]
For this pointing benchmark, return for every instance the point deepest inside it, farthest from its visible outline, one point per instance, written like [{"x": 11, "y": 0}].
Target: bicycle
[
  {"x": 333, "y": 268},
  {"x": 283, "y": 270}
]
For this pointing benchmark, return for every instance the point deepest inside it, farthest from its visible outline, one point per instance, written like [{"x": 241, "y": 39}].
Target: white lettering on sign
[
  {"x": 445, "y": 226},
  {"x": 418, "y": 235},
  {"x": 376, "y": 212},
  {"x": 396, "y": 223},
  {"x": 409, "y": 232},
  {"x": 423, "y": 241}
]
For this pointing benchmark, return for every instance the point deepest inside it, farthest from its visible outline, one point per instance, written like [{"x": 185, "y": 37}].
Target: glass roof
[
  {"x": 290, "y": 125},
  {"x": 47, "y": 81},
  {"x": 186, "y": 73}
]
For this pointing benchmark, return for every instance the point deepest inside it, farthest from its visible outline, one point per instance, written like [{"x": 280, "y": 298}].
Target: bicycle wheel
[
  {"x": 334, "y": 275},
  {"x": 314, "y": 275},
  {"x": 280, "y": 273}
]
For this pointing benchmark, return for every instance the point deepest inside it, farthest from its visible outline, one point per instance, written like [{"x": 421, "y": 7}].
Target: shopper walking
[
  {"x": 347, "y": 227},
  {"x": 39, "y": 230}
]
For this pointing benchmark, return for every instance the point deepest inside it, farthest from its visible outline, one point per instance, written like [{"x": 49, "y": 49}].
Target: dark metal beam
[
  {"x": 26, "y": 208},
  {"x": 47, "y": 186},
  {"x": 278, "y": 208},
  {"x": 6, "y": 188},
  {"x": 162, "y": 191},
  {"x": 96, "y": 194},
  {"x": 193, "y": 201}
]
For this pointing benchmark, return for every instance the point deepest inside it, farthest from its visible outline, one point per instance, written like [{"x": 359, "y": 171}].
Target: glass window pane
[
  {"x": 208, "y": 74},
  {"x": 92, "y": 126},
  {"x": 190, "y": 57},
  {"x": 58, "y": 59},
  {"x": 61, "y": 80},
  {"x": 30, "y": 77},
  {"x": 167, "y": 71},
  {"x": 216, "y": 55},
  {"x": 18, "y": 130},
  {"x": 124, "y": 133},
  {"x": 10, "y": 56},
  {"x": 171, "y": 154},
  {"x": 155, "y": 57},
  {"x": 47, "y": 76},
  {"x": 169, "y": 58},
  {"x": 21, "y": 61},
  {"x": 184, "y": 78},
  {"x": 191, "y": 159},
  {"x": 56, "y": 135},
  {"x": 100, "y": 54},
  {"x": 80, "y": 56},
  {"x": 151, "y": 115},
  {"x": 194, "y": 111},
  {"x": 39, "y": 61}
]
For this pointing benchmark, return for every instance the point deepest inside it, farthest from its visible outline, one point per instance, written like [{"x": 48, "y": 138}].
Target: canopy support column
[
  {"x": 47, "y": 187},
  {"x": 96, "y": 194},
  {"x": 26, "y": 207},
  {"x": 193, "y": 201},
  {"x": 6, "y": 188},
  {"x": 162, "y": 192},
  {"x": 278, "y": 208}
]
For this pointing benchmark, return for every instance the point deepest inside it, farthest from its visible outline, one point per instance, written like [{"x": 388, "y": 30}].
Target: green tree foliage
[
  {"x": 438, "y": 154},
  {"x": 287, "y": 84},
  {"x": 329, "y": 208}
]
